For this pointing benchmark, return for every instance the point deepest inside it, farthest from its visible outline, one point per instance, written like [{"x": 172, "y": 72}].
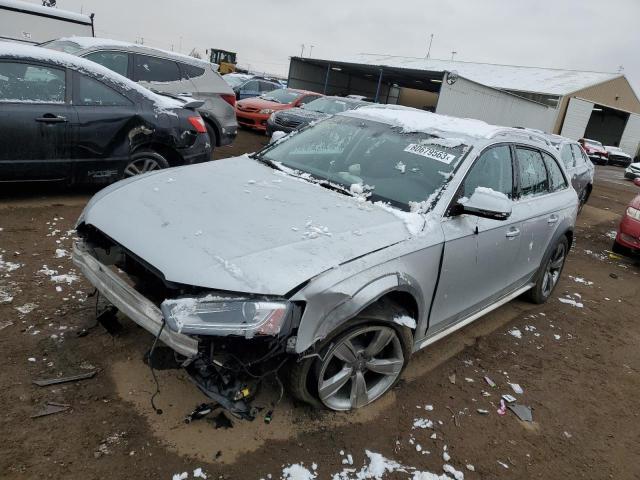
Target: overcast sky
[{"x": 575, "y": 34}]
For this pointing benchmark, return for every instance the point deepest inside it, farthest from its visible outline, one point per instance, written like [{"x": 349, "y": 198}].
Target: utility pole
[
  {"x": 311, "y": 49},
  {"x": 302, "y": 51},
  {"x": 453, "y": 54},
  {"x": 429, "y": 50}
]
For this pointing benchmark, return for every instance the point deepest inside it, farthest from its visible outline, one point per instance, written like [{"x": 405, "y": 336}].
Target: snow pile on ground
[
  {"x": 6, "y": 266},
  {"x": 405, "y": 321},
  {"x": 515, "y": 332},
  {"x": 297, "y": 472},
  {"x": 574, "y": 302},
  {"x": 580, "y": 280}
]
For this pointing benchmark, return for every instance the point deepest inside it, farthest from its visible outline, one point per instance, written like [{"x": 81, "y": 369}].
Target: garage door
[
  {"x": 631, "y": 135},
  {"x": 576, "y": 119}
]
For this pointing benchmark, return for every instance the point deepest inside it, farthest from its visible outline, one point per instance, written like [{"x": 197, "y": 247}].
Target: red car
[
  {"x": 628, "y": 238},
  {"x": 254, "y": 112},
  {"x": 596, "y": 151}
]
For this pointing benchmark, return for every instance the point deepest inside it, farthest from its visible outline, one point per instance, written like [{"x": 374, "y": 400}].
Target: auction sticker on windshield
[{"x": 429, "y": 152}]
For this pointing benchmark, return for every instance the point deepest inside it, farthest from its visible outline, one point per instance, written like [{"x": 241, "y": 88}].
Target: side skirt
[{"x": 471, "y": 318}]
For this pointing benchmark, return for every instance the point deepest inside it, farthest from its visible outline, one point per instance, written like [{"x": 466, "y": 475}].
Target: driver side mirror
[{"x": 486, "y": 203}]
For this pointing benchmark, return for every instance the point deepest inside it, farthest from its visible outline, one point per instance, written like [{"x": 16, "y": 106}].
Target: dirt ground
[{"x": 579, "y": 367}]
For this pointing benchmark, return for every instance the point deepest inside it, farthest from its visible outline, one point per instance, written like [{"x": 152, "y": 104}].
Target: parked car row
[{"x": 66, "y": 118}]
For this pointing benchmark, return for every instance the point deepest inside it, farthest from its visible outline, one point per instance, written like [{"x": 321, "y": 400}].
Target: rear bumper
[
  {"x": 126, "y": 299},
  {"x": 624, "y": 161},
  {"x": 199, "y": 152}
]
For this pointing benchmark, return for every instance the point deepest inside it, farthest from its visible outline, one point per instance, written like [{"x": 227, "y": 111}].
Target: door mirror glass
[{"x": 487, "y": 203}]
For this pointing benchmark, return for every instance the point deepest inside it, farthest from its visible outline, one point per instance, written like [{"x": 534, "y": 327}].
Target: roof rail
[{"x": 522, "y": 133}]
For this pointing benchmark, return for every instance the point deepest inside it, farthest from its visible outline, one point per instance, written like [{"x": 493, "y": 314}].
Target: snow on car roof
[
  {"x": 94, "y": 42},
  {"x": 53, "y": 12},
  {"x": 414, "y": 120},
  {"x": 15, "y": 50},
  {"x": 550, "y": 81}
]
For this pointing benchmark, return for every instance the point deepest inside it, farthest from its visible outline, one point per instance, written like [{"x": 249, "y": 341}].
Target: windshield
[
  {"x": 329, "y": 105},
  {"x": 371, "y": 157},
  {"x": 281, "y": 95},
  {"x": 65, "y": 46},
  {"x": 235, "y": 80}
]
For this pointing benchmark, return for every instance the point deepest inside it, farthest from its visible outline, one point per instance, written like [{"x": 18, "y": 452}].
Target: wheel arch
[
  {"x": 213, "y": 123},
  {"x": 171, "y": 155}
]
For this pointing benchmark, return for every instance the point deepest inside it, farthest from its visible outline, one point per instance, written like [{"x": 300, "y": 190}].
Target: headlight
[
  {"x": 633, "y": 213},
  {"x": 213, "y": 316},
  {"x": 267, "y": 111}
]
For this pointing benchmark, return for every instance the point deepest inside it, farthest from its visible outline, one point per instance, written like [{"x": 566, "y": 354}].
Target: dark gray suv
[{"x": 167, "y": 72}]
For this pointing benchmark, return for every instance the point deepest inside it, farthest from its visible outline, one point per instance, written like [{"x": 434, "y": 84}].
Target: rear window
[
  {"x": 65, "y": 46},
  {"x": 154, "y": 69},
  {"x": 191, "y": 71}
]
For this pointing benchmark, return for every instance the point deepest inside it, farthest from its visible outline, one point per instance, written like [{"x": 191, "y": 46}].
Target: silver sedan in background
[{"x": 334, "y": 253}]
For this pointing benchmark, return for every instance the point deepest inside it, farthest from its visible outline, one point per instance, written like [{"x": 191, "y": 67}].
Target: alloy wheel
[
  {"x": 554, "y": 267},
  {"x": 360, "y": 367},
  {"x": 141, "y": 165}
]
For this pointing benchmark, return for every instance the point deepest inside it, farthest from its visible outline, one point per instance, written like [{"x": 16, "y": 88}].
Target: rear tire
[
  {"x": 303, "y": 377},
  {"x": 143, "y": 162},
  {"x": 549, "y": 272},
  {"x": 213, "y": 138}
]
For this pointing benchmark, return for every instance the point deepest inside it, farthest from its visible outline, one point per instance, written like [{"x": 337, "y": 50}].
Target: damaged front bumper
[{"x": 126, "y": 299}]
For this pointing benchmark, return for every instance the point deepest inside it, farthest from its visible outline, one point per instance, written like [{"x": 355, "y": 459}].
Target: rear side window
[
  {"x": 267, "y": 86},
  {"x": 116, "y": 61},
  {"x": 91, "y": 92},
  {"x": 309, "y": 98},
  {"x": 153, "y": 69},
  {"x": 191, "y": 71},
  {"x": 556, "y": 178},
  {"x": 532, "y": 173},
  {"x": 567, "y": 156},
  {"x": 492, "y": 170},
  {"x": 577, "y": 154},
  {"x": 21, "y": 82}
]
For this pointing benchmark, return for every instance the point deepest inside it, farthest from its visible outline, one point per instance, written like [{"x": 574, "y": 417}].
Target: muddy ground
[{"x": 579, "y": 368}]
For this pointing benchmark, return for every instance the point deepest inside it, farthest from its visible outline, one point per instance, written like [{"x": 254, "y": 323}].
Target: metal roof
[
  {"x": 19, "y": 5},
  {"x": 550, "y": 81}
]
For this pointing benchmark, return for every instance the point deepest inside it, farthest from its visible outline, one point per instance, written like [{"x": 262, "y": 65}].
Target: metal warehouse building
[{"x": 576, "y": 104}]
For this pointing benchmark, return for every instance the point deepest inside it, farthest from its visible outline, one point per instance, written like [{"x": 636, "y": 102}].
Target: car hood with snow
[
  {"x": 238, "y": 225},
  {"x": 261, "y": 104}
]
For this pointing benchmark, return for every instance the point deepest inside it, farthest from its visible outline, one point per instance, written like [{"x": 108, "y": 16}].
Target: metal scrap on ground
[{"x": 72, "y": 378}]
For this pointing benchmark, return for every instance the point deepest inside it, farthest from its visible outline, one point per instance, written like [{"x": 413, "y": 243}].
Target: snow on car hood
[
  {"x": 240, "y": 226},
  {"x": 257, "y": 102}
]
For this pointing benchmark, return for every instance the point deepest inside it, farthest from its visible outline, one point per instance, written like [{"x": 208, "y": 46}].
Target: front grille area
[{"x": 242, "y": 108}]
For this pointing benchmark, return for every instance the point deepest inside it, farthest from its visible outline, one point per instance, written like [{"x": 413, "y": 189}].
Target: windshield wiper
[
  {"x": 333, "y": 186},
  {"x": 267, "y": 161}
]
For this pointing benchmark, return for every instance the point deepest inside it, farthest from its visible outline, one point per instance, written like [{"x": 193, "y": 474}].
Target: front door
[
  {"x": 34, "y": 119},
  {"x": 479, "y": 253}
]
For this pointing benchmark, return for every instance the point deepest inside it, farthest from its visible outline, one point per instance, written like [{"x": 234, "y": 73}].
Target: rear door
[
  {"x": 479, "y": 253},
  {"x": 539, "y": 177},
  {"x": 34, "y": 117},
  {"x": 100, "y": 135}
]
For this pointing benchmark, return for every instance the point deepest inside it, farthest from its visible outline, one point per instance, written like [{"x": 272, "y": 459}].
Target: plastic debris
[
  {"x": 71, "y": 378},
  {"x": 482, "y": 411},
  {"x": 522, "y": 412},
  {"x": 508, "y": 398},
  {"x": 517, "y": 388},
  {"x": 51, "y": 408},
  {"x": 452, "y": 378},
  {"x": 503, "y": 408},
  {"x": 490, "y": 382}
]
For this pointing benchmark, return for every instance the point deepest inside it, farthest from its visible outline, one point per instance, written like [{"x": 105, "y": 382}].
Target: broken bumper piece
[{"x": 130, "y": 302}]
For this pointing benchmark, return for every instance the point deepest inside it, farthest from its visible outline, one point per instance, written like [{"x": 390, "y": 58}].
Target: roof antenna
[{"x": 429, "y": 50}]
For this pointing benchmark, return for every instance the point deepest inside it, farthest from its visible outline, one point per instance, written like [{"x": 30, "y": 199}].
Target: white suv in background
[{"x": 166, "y": 72}]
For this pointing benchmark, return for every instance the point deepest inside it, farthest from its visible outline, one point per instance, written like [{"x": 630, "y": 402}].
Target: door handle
[
  {"x": 552, "y": 219},
  {"x": 512, "y": 233},
  {"x": 51, "y": 118}
]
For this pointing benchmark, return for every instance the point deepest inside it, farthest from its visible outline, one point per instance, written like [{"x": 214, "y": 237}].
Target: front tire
[
  {"x": 550, "y": 271},
  {"x": 356, "y": 367}
]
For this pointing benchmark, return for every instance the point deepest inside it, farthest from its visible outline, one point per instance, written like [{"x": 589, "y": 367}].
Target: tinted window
[
  {"x": 577, "y": 154},
  {"x": 556, "y": 177},
  {"x": 116, "y": 61},
  {"x": 492, "y": 170},
  {"x": 267, "y": 86},
  {"x": 95, "y": 93},
  {"x": 152, "y": 69},
  {"x": 20, "y": 82},
  {"x": 533, "y": 174},
  {"x": 567, "y": 156},
  {"x": 191, "y": 71},
  {"x": 251, "y": 86},
  {"x": 309, "y": 98}
]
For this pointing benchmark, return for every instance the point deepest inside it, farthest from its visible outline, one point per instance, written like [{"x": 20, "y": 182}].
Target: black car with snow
[
  {"x": 64, "y": 118},
  {"x": 296, "y": 118}
]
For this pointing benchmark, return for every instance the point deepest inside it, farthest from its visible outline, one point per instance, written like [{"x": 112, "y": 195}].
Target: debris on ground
[
  {"x": 51, "y": 408},
  {"x": 522, "y": 412},
  {"x": 72, "y": 378},
  {"x": 490, "y": 382},
  {"x": 452, "y": 378}
]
